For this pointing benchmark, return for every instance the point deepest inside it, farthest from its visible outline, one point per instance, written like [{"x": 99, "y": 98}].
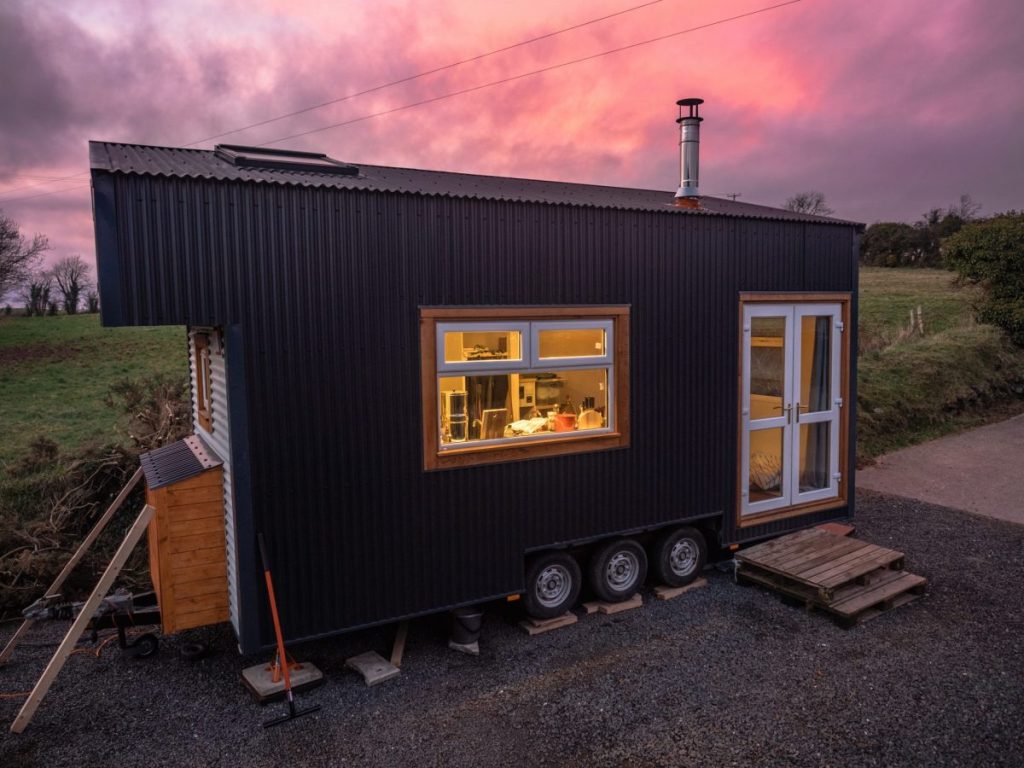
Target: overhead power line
[
  {"x": 434, "y": 71},
  {"x": 374, "y": 89},
  {"x": 471, "y": 89},
  {"x": 542, "y": 70}
]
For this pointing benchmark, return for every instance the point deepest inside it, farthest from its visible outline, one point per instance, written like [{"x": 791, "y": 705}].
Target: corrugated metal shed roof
[
  {"x": 178, "y": 461},
  {"x": 205, "y": 164}
]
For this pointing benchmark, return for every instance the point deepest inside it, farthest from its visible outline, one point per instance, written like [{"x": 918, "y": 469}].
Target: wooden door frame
[{"x": 844, "y": 299}]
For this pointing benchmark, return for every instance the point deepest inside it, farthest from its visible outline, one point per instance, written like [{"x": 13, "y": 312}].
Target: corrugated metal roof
[
  {"x": 178, "y": 461},
  {"x": 205, "y": 164}
]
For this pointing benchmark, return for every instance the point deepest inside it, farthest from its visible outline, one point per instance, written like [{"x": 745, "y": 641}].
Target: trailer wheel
[
  {"x": 617, "y": 569},
  {"x": 553, "y": 582},
  {"x": 144, "y": 646},
  {"x": 678, "y": 556}
]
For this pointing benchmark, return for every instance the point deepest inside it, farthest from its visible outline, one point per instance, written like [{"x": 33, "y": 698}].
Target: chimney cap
[{"x": 689, "y": 102}]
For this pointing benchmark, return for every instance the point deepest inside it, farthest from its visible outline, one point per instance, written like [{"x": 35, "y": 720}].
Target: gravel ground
[{"x": 725, "y": 675}]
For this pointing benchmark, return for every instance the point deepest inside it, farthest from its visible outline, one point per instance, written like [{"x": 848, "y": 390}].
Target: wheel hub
[
  {"x": 683, "y": 558},
  {"x": 622, "y": 570},
  {"x": 553, "y": 585}
]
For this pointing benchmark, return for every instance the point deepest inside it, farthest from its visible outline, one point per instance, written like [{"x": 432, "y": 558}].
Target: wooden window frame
[
  {"x": 435, "y": 459},
  {"x": 842, "y": 500},
  {"x": 204, "y": 380}
]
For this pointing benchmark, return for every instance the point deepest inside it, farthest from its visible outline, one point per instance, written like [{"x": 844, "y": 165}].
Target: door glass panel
[
  {"x": 814, "y": 456},
  {"x": 572, "y": 342},
  {"x": 767, "y": 464},
  {"x": 816, "y": 365},
  {"x": 767, "y": 367}
]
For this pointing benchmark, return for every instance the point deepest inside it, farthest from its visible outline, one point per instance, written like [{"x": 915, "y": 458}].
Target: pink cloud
[{"x": 888, "y": 108}]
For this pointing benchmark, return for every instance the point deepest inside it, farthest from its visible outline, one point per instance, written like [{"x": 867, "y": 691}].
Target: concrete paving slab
[
  {"x": 259, "y": 679},
  {"x": 373, "y": 667},
  {"x": 979, "y": 471}
]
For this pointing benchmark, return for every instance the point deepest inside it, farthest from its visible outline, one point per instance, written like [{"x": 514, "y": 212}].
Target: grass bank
[
  {"x": 55, "y": 374},
  {"x": 915, "y": 386}
]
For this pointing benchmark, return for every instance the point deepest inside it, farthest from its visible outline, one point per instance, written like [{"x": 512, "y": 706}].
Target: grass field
[
  {"x": 55, "y": 373},
  {"x": 914, "y": 387}
]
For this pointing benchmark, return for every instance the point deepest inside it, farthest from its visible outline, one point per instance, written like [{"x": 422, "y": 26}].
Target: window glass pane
[
  {"x": 572, "y": 342},
  {"x": 767, "y": 356},
  {"x": 815, "y": 367},
  {"x": 814, "y": 449},
  {"x": 463, "y": 346},
  {"x": 520, "y": 405},
  {"x": 766, "y": 465}
]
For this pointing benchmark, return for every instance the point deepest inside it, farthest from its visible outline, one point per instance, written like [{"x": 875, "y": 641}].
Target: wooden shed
[{"x": 187, "y": 561}]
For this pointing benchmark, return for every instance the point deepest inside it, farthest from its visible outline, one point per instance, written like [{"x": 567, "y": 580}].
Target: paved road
[{"x": 979, "y": 471}]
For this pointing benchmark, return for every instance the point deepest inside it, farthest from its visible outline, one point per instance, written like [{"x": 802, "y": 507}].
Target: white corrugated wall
[{"x": 218, "y": 438}]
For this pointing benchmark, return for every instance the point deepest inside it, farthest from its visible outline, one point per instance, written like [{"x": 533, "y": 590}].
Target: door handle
[{"x": 788, "y": 408}]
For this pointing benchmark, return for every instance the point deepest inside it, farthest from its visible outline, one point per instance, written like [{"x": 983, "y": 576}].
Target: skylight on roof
[{"x": 282, "y": 160}]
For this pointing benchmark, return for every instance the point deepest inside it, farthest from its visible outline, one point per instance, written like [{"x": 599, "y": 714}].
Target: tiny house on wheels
[{"x": 429, "y": 390}]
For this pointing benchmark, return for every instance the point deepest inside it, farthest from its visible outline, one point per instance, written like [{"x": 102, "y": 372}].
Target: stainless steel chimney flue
[{"x": 689, "y": 151}]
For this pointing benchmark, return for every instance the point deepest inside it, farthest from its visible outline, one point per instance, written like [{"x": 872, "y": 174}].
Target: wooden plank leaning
[
  {"x": 63, "y": 652},
  {"x": 54, "y": 589}
]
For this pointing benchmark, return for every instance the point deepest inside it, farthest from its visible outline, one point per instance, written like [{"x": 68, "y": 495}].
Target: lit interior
[
  {"x": 571, "y": 342},
  {"x": 472, "y": 346},
  {"x": 767, "y": 392},
  {"x": 477, "y": 407}
]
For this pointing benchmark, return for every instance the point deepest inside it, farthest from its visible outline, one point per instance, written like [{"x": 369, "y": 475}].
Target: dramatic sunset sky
[{"x": 889, "y": 107}]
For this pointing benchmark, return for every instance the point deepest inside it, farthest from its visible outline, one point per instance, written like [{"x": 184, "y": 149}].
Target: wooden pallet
[{"x": 850, "y": 579}]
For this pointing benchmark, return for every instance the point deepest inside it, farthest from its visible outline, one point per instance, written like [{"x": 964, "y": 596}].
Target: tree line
[{"x": 65, "y": 285}]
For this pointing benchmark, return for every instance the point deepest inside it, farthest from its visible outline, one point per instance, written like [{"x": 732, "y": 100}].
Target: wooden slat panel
[
  {"x": 774, "y": 545},
  {"x": 881, "y": 560},
  {"x": 194, "y": 619},
  {"x": 200, "y": 589},
  {"x": 183, "y": 574},
  {"x": 854, "y": 605},
  {"x": 820, "y": 570},
  {"x": 198, "y": 557},
  {"x": 197, "y": 511},
  {"x": 821, "y": 546},
  {"x": 822, "y": 554},
  {"x": 786, "y": 553},
  {"x": 201, "y": 602},
  {"x": 202, "y": 525},
  {"x": 177, "y": 497},
  {"x": 764, "y": 553},
  {"x": 180, "y": 544}
]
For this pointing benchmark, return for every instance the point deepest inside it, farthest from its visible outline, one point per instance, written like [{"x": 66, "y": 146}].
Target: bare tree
[
  {"x": 966, "y": 209},
  {"x": 35, "y": 292},
  {"x": 809, "y": 202},
  {"x": 19, "y": 256},
  {"x": 72, "y": 276}
]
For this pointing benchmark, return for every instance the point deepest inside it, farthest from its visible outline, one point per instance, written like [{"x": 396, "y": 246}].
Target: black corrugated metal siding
[{"x": 324, "y": 287}]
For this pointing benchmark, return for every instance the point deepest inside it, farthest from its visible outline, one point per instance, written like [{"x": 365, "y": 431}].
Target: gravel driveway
[{"x": 725, "y": 675}]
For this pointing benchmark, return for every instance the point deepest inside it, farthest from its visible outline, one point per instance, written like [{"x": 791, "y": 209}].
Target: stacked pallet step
[{"x": 852, "y": 580}]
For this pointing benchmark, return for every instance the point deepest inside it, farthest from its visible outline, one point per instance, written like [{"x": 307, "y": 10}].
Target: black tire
[
  {"x": 145, "y": 646},
  {"x": 617, "y": 570},
  {"x": 678, "y": 556},
  {"x": 193, "y": 651},
  {"x": 553, "y": 583}
]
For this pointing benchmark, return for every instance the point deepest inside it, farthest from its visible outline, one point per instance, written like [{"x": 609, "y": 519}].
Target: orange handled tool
[{"x": 281, "y": 653}]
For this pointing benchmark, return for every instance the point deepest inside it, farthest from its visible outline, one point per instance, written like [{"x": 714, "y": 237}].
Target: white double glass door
[{"x": 791, "y": 405}]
